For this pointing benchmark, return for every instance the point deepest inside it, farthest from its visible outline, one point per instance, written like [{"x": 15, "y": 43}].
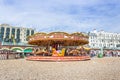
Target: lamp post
[
  {"x": 114, "y": 52},
  {"x": 101, "y": 50}
]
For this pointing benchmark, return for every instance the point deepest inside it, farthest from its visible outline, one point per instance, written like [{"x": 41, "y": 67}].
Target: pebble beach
[{"x": 107, "y": 68}]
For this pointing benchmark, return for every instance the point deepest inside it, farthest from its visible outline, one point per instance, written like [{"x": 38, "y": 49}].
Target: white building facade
[
  {"x": 8, "y": 32},
  {"x": 102, "y": 39}
]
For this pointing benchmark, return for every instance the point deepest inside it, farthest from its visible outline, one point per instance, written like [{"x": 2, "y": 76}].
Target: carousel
[{"x": 59, "y": 46}]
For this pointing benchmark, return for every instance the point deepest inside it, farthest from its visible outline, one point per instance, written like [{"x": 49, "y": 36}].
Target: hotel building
[
  {"x": 102, "y": 39},
  {"x": 10, "y": 34}
]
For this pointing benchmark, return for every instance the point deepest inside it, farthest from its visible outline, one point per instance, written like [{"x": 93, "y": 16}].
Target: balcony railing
[{"x": 19, "y": 44}]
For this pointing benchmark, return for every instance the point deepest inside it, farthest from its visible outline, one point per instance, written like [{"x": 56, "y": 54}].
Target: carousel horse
[
  {"x": 74, "y": 52},
  {"x": 62, "y": 53},
  {"x": 39, "y": 51},
  {"x": 54, "y": 52},
  {"x": 58, "y": 53}
]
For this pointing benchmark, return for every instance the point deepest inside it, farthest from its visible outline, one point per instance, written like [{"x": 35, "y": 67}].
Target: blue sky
[{"x": 62, "y": 15}]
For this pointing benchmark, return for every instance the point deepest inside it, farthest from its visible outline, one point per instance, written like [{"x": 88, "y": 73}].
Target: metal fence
[{"x": 8, "y": 54}]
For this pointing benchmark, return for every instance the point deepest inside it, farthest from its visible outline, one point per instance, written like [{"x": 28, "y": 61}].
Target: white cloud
[{"x": 81, "y": 15}]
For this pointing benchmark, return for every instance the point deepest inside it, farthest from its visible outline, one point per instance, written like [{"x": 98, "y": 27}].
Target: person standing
[{"x": 118, "y": 53}]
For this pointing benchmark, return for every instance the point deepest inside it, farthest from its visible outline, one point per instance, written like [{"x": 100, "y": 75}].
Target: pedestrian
[{"x": 118, "y": 53}]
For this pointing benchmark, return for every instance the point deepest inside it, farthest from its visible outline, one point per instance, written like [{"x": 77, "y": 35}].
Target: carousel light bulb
[
  {"x": 51, "y": 36},
  {"x": 45, "y": 37},
  {"x": 65, "y": 36}
]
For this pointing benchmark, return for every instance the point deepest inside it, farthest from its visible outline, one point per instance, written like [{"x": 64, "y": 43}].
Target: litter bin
[{"x": 100, "y": 55}]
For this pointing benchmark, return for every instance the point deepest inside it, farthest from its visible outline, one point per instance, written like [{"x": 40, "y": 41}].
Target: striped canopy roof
[{"x": 63, "y": 38}]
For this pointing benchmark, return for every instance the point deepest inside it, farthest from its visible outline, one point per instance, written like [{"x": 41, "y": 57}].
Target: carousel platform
[{"x": 58, "y": 58}]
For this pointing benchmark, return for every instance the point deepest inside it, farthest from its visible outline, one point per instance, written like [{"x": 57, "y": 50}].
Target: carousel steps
[{"x": 57, "y": 58}]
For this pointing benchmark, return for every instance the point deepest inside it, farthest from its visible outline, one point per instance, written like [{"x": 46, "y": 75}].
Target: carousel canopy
[{"x": 62, "y": 38}]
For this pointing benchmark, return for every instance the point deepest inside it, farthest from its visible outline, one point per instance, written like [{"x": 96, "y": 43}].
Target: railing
[
  {"x": 7, "y": 54},
  {"x": 111, "y": 48},
  {"x": 8, "y": 43}
]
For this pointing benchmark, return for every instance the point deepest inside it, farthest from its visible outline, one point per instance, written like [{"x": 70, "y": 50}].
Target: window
[
  {"x": 2, "y": 33},
  {"x": 32, "y": 32},
  {"x": 7, "y": 33},
  {"x": 1, "y": 37},
  {"x": 18, "y": 33},
  {"x": 8, "y": 30},
  {"x": 13, "y": 30},
  {"x": 18, "y": 36},
  {"x": 28, "y": 32},
  {"x": 6, "y": 39},
  {"x": 2, "y": 30}
]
